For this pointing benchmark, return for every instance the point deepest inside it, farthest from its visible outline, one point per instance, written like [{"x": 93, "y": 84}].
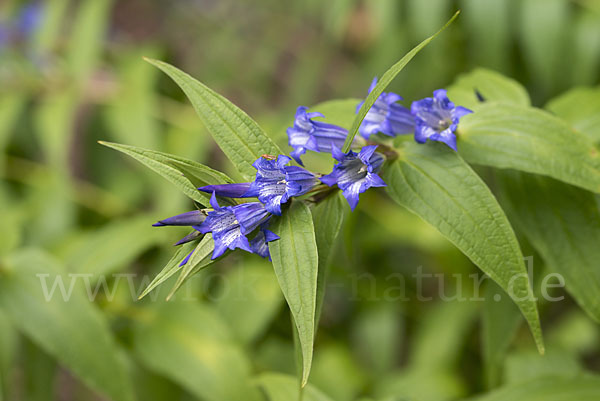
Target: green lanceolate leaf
[
  {"x": 328, "y": 217},
  {"x": 295, "y": 260},
  {"x": 385, "y": 80},
  {"x": 579, "y": 107},
  {"x": 563, "y": 223},
  {"x": 435, "y": 183},
  {"x": 280, "y": 387},
  {"x": 530, "y": 140},
  {"x": 172, "y": 267},
  {"x": 549, "y": 388},
  {"x": 199, "y": 260},
  {"x": 492, "y": 86},
  {"x": 177, "y": 170},
  {"x": 62, "y": 321},
  {"x": 240, "y": 137}
]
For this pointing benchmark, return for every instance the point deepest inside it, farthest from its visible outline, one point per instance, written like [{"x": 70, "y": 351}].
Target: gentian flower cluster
[
  {"x": 433, "y": 118},
  {"x": 246, "y": 225}
]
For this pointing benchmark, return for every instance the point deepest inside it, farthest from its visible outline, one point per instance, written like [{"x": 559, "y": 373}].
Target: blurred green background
[{"x": 72, "y": 73}]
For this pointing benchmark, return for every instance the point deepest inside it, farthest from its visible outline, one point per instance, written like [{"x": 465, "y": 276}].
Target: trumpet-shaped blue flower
[
  {"x": 274, "y": 185},
  {"x": 437, "y": 118},
  {"x": 386, "y": 116},
  {"x": 193, "y": 218},
  {"x": 355, "y": 173},
  {"x": 230, "y": 225},
  {"x": 259, "y": 243},
  {"x": 228, "y": 190},
  {"x": 313, "y": 135}
]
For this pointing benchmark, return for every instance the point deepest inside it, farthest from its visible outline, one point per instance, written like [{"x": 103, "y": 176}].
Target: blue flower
[
  {"x": 355, "y": 173},
  {"x": 230, "y": 225},
  {"x": 386, "y": 116},
  {"x": 313, "y": 135},
  {"x": 259, "y": 243},
  {"x": 274, "y": 185},
  {"x": 228, "y": 190},
  {"x": 193, "y": 219},
  {"x": 437, "y": 118}
]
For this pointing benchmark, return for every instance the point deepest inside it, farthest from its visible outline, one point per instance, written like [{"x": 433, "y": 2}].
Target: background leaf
[
  {"x": 102, "y": 251},
  {"x": 493, "y": 86},
  {"x": 280, "y": 387},
  {"x": 433, "y": 182},
  {"x": 250, "y": 299},
  {"x": 500, "y": 320},
  {"x": 88, "y": 349},
  {"x": 579, "y": 107},
  {"x": 295, "y": 260},
  {"x": 188, "y": 343},
  {"x": 562, "y": 222},
  {"x": 551, "y": 388}
]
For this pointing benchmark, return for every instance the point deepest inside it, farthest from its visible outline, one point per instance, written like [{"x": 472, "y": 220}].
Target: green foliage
[
  {"x": 176, "y": 170},
  {"x": 328, "y": 217},
  {"x": 189, "y": 343},
  {"x": 250, "y": 300},
  {"x": 579, "y": 107},
  {"x": 200, "y": 259},
  {"x": 74, "y": 332},
  {"x": 549, "y": 388},
  {"x": 530, "y": 140},
  {"x": 240, "y": 138},
  {"x": 500, "y": 320},
  {"x": 283, "y": 387},
  {"x": 433, "y": 182},
  {"x": 490, "y": 85},
  {"x": 74, "y": 211},
  {"x": 563, "y": 231},
  {"x": 296, "y": 263}
]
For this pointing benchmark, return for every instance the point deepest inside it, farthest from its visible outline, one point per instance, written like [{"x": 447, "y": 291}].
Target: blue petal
[
  {"x": 366, "y": 152},
  {"x": 227, "y": 190},
  {"x": 250, "y": 215},
  {"x": 460, "y": 111},
  {"x": 351, "y": 194},
  {"x": 192, "y": 218},
  {"x": 375, "y": 180},
  {"x": 213, "y": 202}
]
